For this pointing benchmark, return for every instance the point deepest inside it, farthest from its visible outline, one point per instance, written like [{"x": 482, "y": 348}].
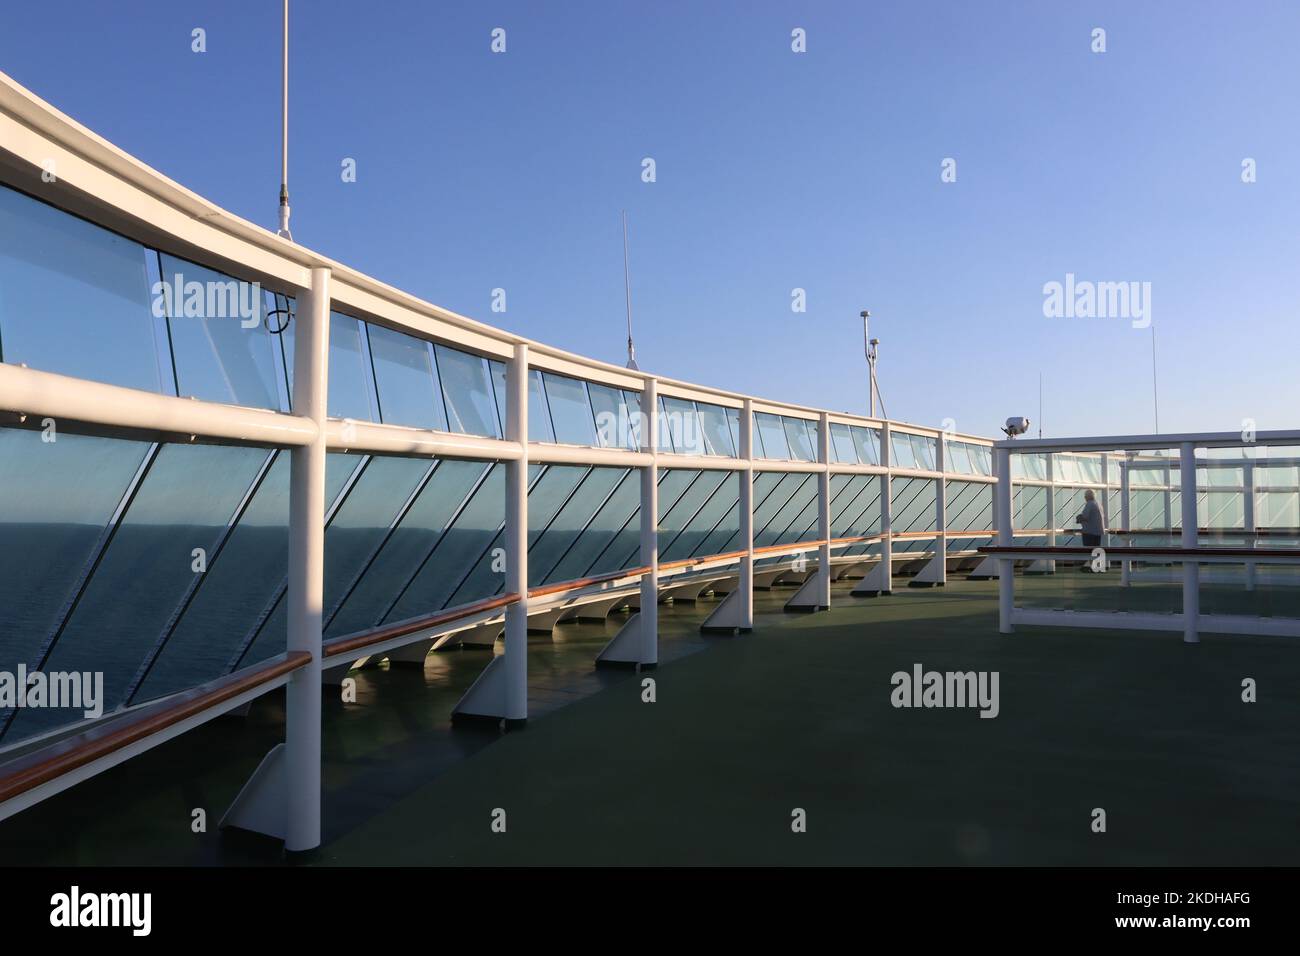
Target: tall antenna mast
[
  {"x": 283, "y": 232},
  {"x": 1040, "y": 404},
  {"x": 627, "y": 289}
]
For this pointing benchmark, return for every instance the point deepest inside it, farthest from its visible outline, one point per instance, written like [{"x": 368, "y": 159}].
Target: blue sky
[{"x": 775, "y": 171}]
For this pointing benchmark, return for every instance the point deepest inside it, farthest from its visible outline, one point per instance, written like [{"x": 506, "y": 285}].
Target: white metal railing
[{"x": 106, "y": 186}]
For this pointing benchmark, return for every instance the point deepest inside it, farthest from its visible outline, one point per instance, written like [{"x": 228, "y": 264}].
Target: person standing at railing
[{"x": 1090, "y": 521}]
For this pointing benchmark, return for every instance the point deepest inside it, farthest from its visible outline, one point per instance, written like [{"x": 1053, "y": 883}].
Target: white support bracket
[
  {"x": 933, "y": 575},
  {"x": 261, "y": 806},
  {"x": 626, "y": 648},
  {"x": 732, "y": 616},
  {"x": 877, "y": 581}
]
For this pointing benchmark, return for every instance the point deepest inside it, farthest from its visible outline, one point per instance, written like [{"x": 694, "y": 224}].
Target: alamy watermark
[
  {"x": 922, "y": 688},
  {"x": 64, "y": 690},
  {"x": 212, "y": 299},
  {"x": 1083, "y": 299}
]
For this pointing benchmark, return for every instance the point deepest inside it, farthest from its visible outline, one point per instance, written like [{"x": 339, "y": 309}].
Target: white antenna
[
  {"x": 1040, "y": 404},
  {"x": 627, "y": 288},
  {"x": 283, "y": 232}
]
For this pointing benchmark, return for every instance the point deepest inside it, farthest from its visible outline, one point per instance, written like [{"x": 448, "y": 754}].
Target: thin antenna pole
[
  {"x": 1040, "y": 404},
  {"x": 1155, "y": 391},
  {"x": 283, "y": 231},
  {"x": 627, "y": 290}
]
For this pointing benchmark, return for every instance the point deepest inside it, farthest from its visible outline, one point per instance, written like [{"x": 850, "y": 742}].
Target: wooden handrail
[
  {"x": 350, "y": 643},
  {"x": 1245, "y": 554},
  {"x": 788, "y": 548},
  {"x": 1214, "y": 532},
  {"x": 48, "y": 763},
  {"x": 548, "y": 589}
]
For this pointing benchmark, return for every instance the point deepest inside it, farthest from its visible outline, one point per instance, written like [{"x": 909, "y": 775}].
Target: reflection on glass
[
  {"x": 684, "y": 426},
  {"x": 866, "y": 441},
  {"x": 772, "y": 434},
  {"x": 406, "y": 380},
  {"x": 717, "y": 433},
  {"x": 349, "y": 384},
  {"x": 470, "y": 405},
  {"x": 615, "y": 427},
  {"x": 580, "y": 559},
  {"x": 464, "y": 543},
  {"x": 563, "y": 528},
  {"x": 223, "y": 349},
  {"x": 51, "y": 521},
  {"x": 185, "y": 502},
  {"x": 796, "y": 434},
  {"x": 570, "y": 410},
  {"x": 74, "y": 298}
]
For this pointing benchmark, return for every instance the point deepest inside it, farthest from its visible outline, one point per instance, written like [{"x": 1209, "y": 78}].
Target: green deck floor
[{"x": 795, "y": 715}]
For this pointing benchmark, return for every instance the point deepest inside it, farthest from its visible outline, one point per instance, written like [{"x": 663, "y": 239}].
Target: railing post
[
  {"x": 1125, "y": 516},
  {"x": 1002, "y": 515},
  {"x": 649, "y": 612},
  {"x": 746, "y": 583},
  {"x": 1049, "y": 463},
  {"x": 516, "y": 538},
  {"x": 304, "y": 598},
  {"x": 1191, "y": 569},
  {"x": 824, "y": 511},
  {"x": 886, "y": 510},
  {"x": 1248, "y": 517},
  {"x": 941, "y": 511}
]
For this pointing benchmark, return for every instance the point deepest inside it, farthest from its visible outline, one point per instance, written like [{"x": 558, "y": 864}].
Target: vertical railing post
[
  {"x": 516, "y": 538},
  {"x": 941, "y": 512},
  {"x": 1049, "y": 463},
  {"x": 746, "y": 583},
  {"x": 824, "y": 511},
  {"x": 1002, "y": 515},
  {"x": 1248, "y": 517},
  {"x": 1191, "y": 569},
  {"x": 1125, "y": 516},
  {"x": 886, "y": 510},
  {"x": 1105, "y": 498},
  {"x": 649, "y": 613},
  {"x": 304, "y": 598},
  {"x": 1168, "y": 500}
]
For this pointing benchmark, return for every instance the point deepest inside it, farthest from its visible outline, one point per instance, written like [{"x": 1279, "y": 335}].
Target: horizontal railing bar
[
  {"x": 348, "y": 435},
  {"x": 1219, "y": 555},
  {"x": 128, "y": 412},
  {"x": 350, "y": 643},
  {"x": 71, "y": 753}
]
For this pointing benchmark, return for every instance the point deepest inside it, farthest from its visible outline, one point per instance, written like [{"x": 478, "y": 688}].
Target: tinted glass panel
[
  {"x": 614, "y": 422},
  {"x": 406, "y": 548},
  {"x": 867, "y": 443},
  {"x": 547, "y": 547},
  {"x": 74, "y": 298},
  {"x": 797, "y": 436},
  {"x": 717, "y": 432},
  {"x": 684, "y": 426},
  {"x": 237, "y": 586},
  {"x": 471, "y": 406},
  {"x": 457, "y": 551},
  {"x": 570, "y": 410},
  {"x": 580, "y": 560},
  {"x": 406, "y": 380},
  {"x": 186, "y": 501},
  {"x": 349, "y": 380},
  {"x": 700, "y": 526},
  {"x": 52, "y": 517},
  {"x": 223, "y": 349},
  {"x": 772, "y": 434}
]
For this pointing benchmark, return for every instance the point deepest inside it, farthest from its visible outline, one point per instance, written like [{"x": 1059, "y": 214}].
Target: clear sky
[{"x": 775, "y": 170}]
